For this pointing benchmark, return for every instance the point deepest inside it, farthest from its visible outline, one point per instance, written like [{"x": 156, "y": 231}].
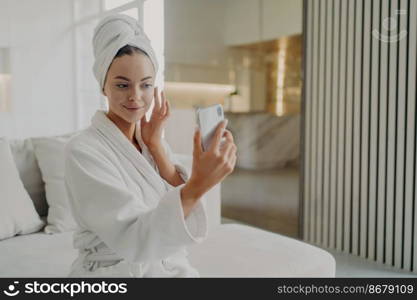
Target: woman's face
[{"x": 129, "y": 86}]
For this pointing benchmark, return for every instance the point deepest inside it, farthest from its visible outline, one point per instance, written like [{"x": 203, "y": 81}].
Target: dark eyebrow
[{"x": 127, "y": 79}]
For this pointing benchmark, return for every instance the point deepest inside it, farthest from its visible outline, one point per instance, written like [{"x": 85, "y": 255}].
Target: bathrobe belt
[{"x": 100, "y": 253}]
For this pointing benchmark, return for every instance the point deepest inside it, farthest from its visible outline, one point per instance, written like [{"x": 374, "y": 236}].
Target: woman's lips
[{"x": 132, "y": 108}]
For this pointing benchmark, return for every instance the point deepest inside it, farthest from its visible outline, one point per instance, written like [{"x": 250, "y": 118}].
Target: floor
[
  {"x": 269, "y": 200},
  {"x": 348, "y": 265}
]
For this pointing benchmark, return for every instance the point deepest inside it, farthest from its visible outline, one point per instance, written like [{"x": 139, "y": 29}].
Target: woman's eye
[
  {"x": 121, "y": 85},
  {"x": 148, "y": 85}
]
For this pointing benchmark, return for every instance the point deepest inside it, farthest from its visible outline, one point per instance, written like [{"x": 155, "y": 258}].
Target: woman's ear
[{"x": 103, "y": 92}]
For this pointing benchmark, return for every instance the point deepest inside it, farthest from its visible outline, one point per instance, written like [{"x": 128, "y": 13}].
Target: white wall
[
  {"x": 249, "y": 21},
  {"x": 282, "y": 18},
  {"x": 241, "y": 22},
  {"x": 194, "y": 31},
  {"x": 198, "y": 34},
  {"x": 4, "y": 23},
  {"x": 38, "y": 34},
  {"x": 200, "y": 31},
  {"x": 194, "y": 42}
]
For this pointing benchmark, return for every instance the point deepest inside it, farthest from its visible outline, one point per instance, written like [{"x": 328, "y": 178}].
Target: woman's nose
[{"x": 136, "y": 94}]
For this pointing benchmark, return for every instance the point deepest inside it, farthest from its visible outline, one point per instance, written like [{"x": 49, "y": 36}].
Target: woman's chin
[{"x": 133, "y": 117}]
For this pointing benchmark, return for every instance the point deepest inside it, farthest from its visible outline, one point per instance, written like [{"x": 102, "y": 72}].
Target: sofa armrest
[{"x": 212, "y": 197}]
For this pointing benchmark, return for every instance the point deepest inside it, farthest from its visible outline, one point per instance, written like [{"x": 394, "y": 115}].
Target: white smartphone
[{"x": 208, "y": 119}]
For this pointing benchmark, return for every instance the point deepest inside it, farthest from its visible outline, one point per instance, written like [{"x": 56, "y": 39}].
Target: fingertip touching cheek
[{"x": 129, "y": 86}]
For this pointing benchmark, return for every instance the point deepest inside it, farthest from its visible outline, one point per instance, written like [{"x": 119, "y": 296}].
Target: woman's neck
[{"x": 128, "y": 129}]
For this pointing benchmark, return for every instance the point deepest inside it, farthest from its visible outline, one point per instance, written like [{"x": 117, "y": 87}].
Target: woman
[{"x": 137, "y": 208}]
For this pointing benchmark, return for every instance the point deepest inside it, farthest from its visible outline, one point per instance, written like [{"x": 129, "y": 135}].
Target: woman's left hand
[{"x": 152, "y": 130}]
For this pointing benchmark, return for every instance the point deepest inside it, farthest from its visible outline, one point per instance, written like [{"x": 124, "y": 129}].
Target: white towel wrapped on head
[{"x": 111, "y": 34}]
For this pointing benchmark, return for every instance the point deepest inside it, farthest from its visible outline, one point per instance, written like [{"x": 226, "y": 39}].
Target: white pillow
[
  {"x": 17, "y": 213},
  {"x": 29, "y": 172},
  {"x": 50, "y": 154}
]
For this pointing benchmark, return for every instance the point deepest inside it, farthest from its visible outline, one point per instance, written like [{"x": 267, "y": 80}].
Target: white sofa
[{"x": 231, "y": 250}]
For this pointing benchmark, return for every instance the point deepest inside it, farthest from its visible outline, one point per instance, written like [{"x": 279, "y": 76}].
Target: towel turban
[{"x": 111, "y": 34}]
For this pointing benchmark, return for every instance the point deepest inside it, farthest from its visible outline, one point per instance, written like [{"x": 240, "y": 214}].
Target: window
[
  {"x": 5, "y": 78},
  {"x": 133, "y": 12},
  {"x": 111, "y": 4}
]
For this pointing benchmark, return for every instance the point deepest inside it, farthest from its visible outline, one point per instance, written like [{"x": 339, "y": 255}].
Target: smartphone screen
[{"x": 208, "y": 119}]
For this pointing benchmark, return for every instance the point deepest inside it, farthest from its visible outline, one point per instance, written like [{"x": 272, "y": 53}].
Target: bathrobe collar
[{"x": 117, "y": 140}]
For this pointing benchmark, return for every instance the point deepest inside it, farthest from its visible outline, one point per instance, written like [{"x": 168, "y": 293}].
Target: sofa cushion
[
  {"x": 37, "y": 255},
  {"x": 234, "y": 250},
  {"x": 17, "y": 211},
  {"x": 29, "y": 172},
  {"x": 230, "y": 250},
  {"x": 50, "y": 154}
]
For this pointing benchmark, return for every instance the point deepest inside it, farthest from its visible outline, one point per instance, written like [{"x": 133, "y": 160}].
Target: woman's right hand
[{"x": 212, "y": 166}]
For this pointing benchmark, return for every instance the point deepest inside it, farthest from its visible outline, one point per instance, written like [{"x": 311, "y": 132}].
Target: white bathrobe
[{"x": 131, "y": 221}]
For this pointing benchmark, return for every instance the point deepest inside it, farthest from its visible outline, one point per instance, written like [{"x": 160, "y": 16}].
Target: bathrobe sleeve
[
  {"x": 184, "y": 170},
  {"x": 183, "y": 166},
  {"x": 104, "y": 205}
]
